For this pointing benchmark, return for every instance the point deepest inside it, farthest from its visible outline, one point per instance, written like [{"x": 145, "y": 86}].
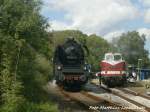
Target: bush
[{"x": 39, "y": 107}]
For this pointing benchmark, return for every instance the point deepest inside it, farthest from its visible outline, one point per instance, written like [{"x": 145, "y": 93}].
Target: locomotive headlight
[
  {"x": 123, "y": 72},
  {"x": 103, "y": 72},
  {"x": 83, "y": 78},
  {"x": 85, "y": 68},
  {"x": 59, "y": 67}
]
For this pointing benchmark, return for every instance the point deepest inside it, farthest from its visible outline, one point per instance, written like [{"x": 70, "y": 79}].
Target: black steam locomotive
[{"x": 69, "y": 65}]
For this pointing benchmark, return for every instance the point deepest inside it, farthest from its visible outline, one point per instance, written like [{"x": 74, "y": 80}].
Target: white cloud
[
  {"x": 147, "y": 16},
  {"x": 109, "y": 36},
  {"x": 59, "y": 25},
  {"x": 94, "y": 16},
  {"x": 145, "y": 2},
  {"x": 145, "y": 31},
  {"x": 146, "y": 8},
  {"x": 113, "y": 34}
]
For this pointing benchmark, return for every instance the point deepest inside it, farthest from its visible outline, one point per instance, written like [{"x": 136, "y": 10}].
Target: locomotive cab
[{"x": 113, "y": 69}]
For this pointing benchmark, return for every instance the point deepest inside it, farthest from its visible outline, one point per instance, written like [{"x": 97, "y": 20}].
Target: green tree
[
  {"x": 23, "y": 40},
  {"x": 97, "y": 47},
  {"x": 131, "y": 45}
]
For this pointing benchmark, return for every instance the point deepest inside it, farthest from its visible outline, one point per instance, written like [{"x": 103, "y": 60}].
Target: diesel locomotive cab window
[
  {"x": 117, "y": 57},
  {"x": 109, "y": 57}
]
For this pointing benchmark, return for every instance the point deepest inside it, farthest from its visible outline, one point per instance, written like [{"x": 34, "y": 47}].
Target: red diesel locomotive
[{"x": 113, "y": 69}]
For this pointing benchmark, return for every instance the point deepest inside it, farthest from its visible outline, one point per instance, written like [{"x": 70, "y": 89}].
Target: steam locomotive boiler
[{"x": 69, "y": 65}]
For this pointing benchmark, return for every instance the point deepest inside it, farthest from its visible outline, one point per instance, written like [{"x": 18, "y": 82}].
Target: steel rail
[
  {"x": 134, "y": 93},
  {"x": 126, "y": 98}
]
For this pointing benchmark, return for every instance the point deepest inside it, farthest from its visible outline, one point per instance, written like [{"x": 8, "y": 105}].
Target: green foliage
[
  {"x": 9, "y": 87},
  {"x": 58, "y": 37},
  {"x": 42, "y": 107},
  {"x": 30, "y": 107},
  {"x": 34, "y": 72},
  {"x": 23, "y": 44},
  {"x": 97, "y": 47},
  {"x": 131, "y": 45}
]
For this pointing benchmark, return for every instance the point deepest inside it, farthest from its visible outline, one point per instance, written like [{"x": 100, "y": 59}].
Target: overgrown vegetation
[
  {"x": 26, "y": 49},
  {"x": 24, "y": 54}
]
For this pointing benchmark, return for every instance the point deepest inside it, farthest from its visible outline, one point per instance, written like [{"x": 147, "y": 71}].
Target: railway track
[
  {"x": 138, "y": 100},
  {"x": 113, "y": 98},
  {"x": 82, "y": 99},
  {"x": 132, "y": 97},
  {"x": 93, "y": 102},
  {"x": 110, "y": 104},
  {"x": 126, "y": 90}
]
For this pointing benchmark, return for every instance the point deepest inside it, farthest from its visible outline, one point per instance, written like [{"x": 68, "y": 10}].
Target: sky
[{"x": 106, "y": 18}]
